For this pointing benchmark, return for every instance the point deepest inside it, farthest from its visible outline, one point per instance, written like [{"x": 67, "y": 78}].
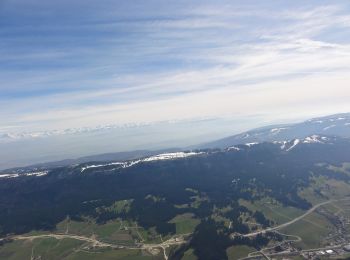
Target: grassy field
[
  {"x": 185, "y": 223},
  {"x": 273, "y": 210},
  {"x": 112, "y": 255},
  {"x": 189, "y": 255},
  {"x": 53, "y": 249},
  {"x": 344, "y": 207},
  {"x": 116, "y": 231},
  {"x": 83, "y": 228},
  {"x": 312, "y": 229},
  {"x": 236, "y": 252},
  {"x": 48, "y": 248},
  {"x": 328, "y": 188},
  {"x": 344, "y": 168}
]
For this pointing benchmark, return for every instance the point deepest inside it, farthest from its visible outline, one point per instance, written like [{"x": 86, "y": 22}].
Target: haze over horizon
[{"x": 79, "y": 78}]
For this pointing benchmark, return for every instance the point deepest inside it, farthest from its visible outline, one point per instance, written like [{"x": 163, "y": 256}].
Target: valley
[{"x": 268, "y": 200}]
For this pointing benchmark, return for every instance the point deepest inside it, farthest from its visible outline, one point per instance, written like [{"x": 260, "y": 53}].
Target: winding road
[{"x": 293, "y": 220}]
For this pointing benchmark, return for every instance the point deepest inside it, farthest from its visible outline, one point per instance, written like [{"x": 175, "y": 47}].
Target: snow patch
[
  {"x": 277, "y": 130},
  {"x": 37, "y": 174},
  {"x": 234, "y": 148},
  {"x": 169, "y": 156},
  {"x": 289, "y": 145},
  {"x": 159, "y": 157},
  {"x": 7, "y": 176},
  {"x": 16, "y": 175},
  {"x": 251, "y": 144},
  {"x": 295, "y": 143},
  {"x": 101, "y": 165},
  {"x": 313, "y": 139},
  {"x": 328, "y": 127},
  {"x": 283, "y": 144}
]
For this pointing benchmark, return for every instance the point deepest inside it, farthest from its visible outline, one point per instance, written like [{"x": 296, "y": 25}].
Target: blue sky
[{"x": 91, "y": 64}]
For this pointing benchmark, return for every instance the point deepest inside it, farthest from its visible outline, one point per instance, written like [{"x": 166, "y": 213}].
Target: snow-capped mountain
[
  {"x": 107, "y": 166},
  {"x": 288, "y": 145},
  {"x": 335, "y": 125},
  {"x": 68, "y": 131}
]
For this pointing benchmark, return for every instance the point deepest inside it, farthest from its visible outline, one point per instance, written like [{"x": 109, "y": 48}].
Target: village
[{"x": 336, "y": 245}]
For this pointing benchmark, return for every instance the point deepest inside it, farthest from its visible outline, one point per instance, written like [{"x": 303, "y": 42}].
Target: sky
[{"x": 82, "y": 77}]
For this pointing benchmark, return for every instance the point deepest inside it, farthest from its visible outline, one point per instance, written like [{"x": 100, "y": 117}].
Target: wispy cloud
[{"x": 146, "y": 62}]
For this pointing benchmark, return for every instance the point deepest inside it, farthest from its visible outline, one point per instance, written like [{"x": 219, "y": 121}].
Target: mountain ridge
[{"x": 331, "y": 125}]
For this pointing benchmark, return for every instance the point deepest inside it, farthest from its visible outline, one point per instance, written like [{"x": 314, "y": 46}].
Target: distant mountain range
[
  {"x": 126, "y": 160},
  {"x": 106, "y": 157},
  {"x": 288, "y": 135},
  {"x": 334, "y": 125}
]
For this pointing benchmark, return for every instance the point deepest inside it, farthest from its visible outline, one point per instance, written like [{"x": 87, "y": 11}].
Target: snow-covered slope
[
  {"x": 335, "y": 125},
  {"x": 314, "y": 139},
  {"x": 15, "y": 175},
  {"x": 295, "y": 146},
  {"x": 159, "y": 157}
]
